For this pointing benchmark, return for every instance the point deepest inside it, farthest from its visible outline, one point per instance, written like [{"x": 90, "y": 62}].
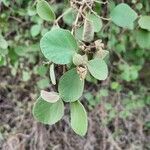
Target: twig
[
  {"x": 111, "y": 140},
  {"x": 17, "y": 19},
  {"x": 120, "y": 57},
  {"x": 66, "y": 12},
  {"x": 107, "y": 19},
  {"x": 77, "y": 17},
  {"x": 101, "y": 2}
]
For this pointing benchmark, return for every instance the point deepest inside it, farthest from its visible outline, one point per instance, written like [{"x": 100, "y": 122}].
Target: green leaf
[
  {"x": 26, "y": 75},
  {"x": 98, "y": 68},
  {"x": 31, "y": 10},
  {"x": 143, "y": 38},
  {"x": 139, "y": 6},
  {"x": 70, "y": 86},
  {"x": 3, "y": 43},
  {"x": 80, "y": 59},
  {"x": 2, "y": 61},
  {"x": 101, "y": 54},
  {"x": 52, "y": 74},
  {"x": 48, "y": 113},
  {"x": 97, "y": 22},
  {"x": 129, "y": 73},
  {"x": 59, "y": 46},
  {"x": 114, "y": 85},
  {"x": 79, "y": 122},
  {"x": 70, "y": 16},
  {"x": 79, "y": 33},
  {"x": 144, "y": 22},
  {"x": 3, "y": 52},
  {"x": 35, "y": 30},
  {"x": 21, "y": 50},
  {"x": 41, "y": 70},
  {"x": 123, "y": 16},
  {"x": 24, "y": 50},
  {"x": 44, "y": 10},
  {"x": 44, "y": 30},
  {"x": 43, "y": 83},
  {"x": 51, "y": 97}
]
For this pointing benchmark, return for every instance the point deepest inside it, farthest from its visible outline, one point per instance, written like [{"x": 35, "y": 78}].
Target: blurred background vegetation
[{"x": 118, "y": 108}]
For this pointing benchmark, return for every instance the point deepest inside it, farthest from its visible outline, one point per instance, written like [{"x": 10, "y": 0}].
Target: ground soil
[{"x": 19, "y": 130}]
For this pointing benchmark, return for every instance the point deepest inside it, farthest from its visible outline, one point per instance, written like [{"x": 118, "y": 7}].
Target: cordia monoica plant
[{"x": 81, "y": 56}]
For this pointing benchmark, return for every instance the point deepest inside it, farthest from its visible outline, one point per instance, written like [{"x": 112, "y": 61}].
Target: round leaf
[
  {"x": 43, "y": 83},
  {"x": 143, "y": 38},
  {"x": 3, "y": 43},
  {"x": 51, "y": 97},
  {"x": 35, "y": 30},
  {"x": 97, "y": 22},
  {"x": 80, "y": 59},
  {"x": 70, "y": 16},
  {"x": 70, "y": 86},
  {"x": 58, "y": 46},
  {"x": 123, "y": 16},
  {"x": 79, "y": 121},
  {"x": 26, "y": 75},
  {"x": 77, "y": 59},
  {"x": 3, "y": 52},
  {"x": 48, "y": 113},
  {"x": 31, "y": 10},
  {"x": 144, "y": 22},
  {"x": 98, "y": 68},
  {"x": 44, "y": 10}
]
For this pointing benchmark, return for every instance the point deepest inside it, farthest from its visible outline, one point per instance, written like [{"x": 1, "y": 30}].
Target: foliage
[
  {"x": 72, "y": 41},
  {"x": 78, "y": 118},
  {"x": 48, "y": 113},
  {"x": 58, "y": 46},
  {"x": 123, "y": 16},
  {"x": 102, "y": 72},
  {"x": 44, "y": 10},
  {"x": 70, "y": 86}
]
